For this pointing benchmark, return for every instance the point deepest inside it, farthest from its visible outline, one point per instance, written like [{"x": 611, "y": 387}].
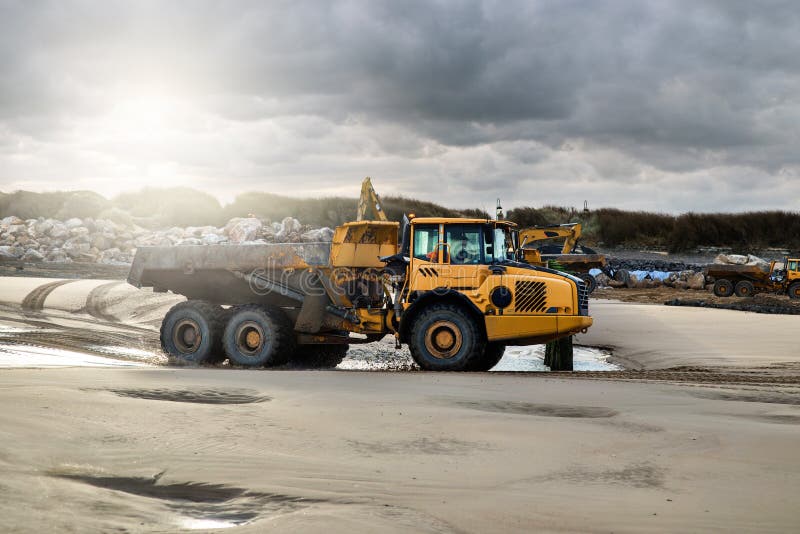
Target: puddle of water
[
  {"x": 190, "y": 523},
  {"x": 13, "y": 355},
  {"x": 123, "y": 351},
  {"x": 383, "y": 357},
  {"x": 198, "y": 505},
  {"x": 532, "y": 359}
]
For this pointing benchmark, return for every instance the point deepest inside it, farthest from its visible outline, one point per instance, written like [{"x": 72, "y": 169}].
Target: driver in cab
[{"x": 462, "y": 252}]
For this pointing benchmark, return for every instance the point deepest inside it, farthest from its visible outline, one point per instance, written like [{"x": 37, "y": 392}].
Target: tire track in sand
[
  {"x": 34, "y": 301},
  {"x": 96, "y": 300}
]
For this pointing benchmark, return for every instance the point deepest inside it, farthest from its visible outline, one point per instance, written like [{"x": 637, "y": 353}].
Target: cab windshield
[{"x": 479, "y": 243}]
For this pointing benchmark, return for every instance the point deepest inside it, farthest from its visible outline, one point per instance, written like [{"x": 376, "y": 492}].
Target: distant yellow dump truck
[
  {"x": 747, "y": 280},
  {"x": 451, "y": 290}
]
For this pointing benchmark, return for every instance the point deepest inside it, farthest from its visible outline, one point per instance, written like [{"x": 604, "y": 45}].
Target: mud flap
[{"x": 312, "y": 313}]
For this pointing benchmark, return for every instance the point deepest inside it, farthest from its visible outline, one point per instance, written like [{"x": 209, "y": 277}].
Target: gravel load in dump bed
[{"x": 107, "y": 242}]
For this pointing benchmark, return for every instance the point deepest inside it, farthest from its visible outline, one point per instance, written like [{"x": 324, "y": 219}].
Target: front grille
[
  {"x": 530, "y": 297},
  {"x": 583, "y": 298}
]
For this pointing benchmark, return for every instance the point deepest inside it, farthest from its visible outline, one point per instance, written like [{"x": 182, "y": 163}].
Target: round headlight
[{"x": 500, "y": 296}]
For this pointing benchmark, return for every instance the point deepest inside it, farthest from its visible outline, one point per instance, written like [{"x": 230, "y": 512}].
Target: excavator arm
[
  {"x": 369, "y": 204},
  {"x": 569, "y": 232}
]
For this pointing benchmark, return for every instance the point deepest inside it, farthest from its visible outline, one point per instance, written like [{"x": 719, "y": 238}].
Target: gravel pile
[
  {"x": 686, "y": 279},
  {"x": 108, "y": 242},
  {"x": 652, "y": 265}
]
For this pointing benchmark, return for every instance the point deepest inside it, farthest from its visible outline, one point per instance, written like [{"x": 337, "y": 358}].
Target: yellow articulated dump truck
[{"x": 449, "y": 288}]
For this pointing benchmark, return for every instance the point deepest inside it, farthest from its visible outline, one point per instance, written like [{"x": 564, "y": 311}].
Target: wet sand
[
  {"x": 95, "y": 450},
  {"x": 167, "y": 449}
]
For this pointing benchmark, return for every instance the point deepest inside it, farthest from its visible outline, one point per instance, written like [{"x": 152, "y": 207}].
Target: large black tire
[
  {"x": 257, "y": 336},
  {"x": 192, "y": 332},
  {"x": 492, "y": 355},
  {"x": 744, "y": 288},
  {"x": 445, "y": 338},
  {"x": 591, "y": 281},
  {"x": 318, "y": 356},
  {"x": 794, "y": 291},
  {"x": 723, "y": 288}
]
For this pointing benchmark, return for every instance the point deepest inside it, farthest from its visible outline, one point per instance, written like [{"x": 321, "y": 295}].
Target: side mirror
[{"x": 405, "y": 236}]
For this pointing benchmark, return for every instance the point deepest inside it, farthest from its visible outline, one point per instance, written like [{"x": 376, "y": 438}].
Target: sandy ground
[
  {"x": 165, "y": 449},
  {"x": 160, "y": 450},
  {"x": 645, "y": 336}
]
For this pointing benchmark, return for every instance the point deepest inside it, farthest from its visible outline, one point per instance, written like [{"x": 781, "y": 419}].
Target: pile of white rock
[
  {"x": 105, "y": 241},
  {"x": 687, "y": 279},
  {"x": 740, "y": 259}
]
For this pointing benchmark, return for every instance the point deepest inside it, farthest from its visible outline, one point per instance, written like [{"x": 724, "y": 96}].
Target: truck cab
[
  {"x": 792, "y": 283},
  {"x": 469, "y": 265}
]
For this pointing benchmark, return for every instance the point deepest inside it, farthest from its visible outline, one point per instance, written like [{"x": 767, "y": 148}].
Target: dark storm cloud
[
  {"x": 671, "y": 83},
  {"x": 674, "y": 86}
]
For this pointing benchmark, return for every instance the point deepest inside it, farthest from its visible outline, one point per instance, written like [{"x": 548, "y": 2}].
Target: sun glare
[
  {"x": 139, "y": 139},
  {"x": 143, "y": 116}
]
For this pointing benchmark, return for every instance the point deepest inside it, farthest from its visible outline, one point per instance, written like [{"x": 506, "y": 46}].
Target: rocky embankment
[
  {"x": 649, "y": 274},
  {"x": 107, "y": 242},
  {"x": 102, "y": 242}
]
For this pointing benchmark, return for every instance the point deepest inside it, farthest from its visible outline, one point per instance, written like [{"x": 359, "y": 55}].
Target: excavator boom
[
  {"x": 569, "y": 232},
  {"x": 369, "y": 204}
]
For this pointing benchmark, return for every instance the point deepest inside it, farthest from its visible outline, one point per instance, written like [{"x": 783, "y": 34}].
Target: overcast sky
[{"x": 666, "y": 105}]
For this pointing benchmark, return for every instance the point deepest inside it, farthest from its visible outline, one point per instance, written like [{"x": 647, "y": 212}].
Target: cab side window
[
  {"x": 792, "y": 265},
  {"x": 426, "y": 237}
]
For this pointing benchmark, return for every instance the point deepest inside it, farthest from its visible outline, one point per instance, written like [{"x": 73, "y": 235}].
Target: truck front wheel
[
  {"x": 723, "y": 288},
  {"x": 445, "y": 338},
  {"x": 191, "y": 332},
  {"x": 794, "y": 291},
  {"x": 258, "y": 336}
]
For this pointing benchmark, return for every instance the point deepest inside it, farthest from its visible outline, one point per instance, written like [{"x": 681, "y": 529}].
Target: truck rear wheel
[
  {"x": 319, "y": 356},
  {"x": 723, "y": 288},
  {"x": 445, "y": 338},
  {"x": 257, "y": 336},
  {"x": 794, "y": 290},
  {"x": 192, "y": 331},
  {"x": 744, "y": 288},
  {"x": 491, "y": 357}
]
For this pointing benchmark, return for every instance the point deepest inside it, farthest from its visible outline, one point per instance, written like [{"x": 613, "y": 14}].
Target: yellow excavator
[
  {"x": 370, "y": 207},
  {"x": 570, "y": 232},
  {"x": 537, "y": 248}
]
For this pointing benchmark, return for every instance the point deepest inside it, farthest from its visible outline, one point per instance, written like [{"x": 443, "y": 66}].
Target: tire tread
[{"x": 471, "y": 360}]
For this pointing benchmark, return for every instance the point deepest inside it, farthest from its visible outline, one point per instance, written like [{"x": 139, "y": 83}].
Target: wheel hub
[
  {"x": 250, "y": 337},
  {"x": 443, "y": 339},
  {"x": 253, "y": 339},
  {"x": 187, "y": 336}
]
